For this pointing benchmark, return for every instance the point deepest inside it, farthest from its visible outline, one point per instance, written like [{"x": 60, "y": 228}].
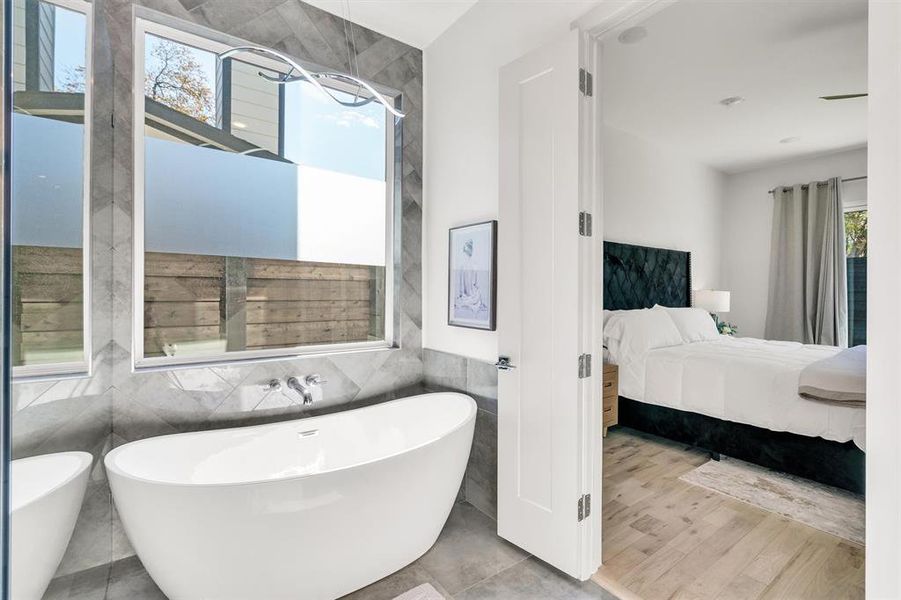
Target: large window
[
  {"x": 856, "y": 251},
  {"x": 49, "y": 187},
  {"x": 264, "y": 212}
]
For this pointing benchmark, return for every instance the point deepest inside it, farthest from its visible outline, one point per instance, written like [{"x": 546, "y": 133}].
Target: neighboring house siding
[
  {"x": 46, "y": 26},
  {"x": 18, "y": 45},
  {"x": 33, "y": 40},
  {"x": 254, "y": 104}
]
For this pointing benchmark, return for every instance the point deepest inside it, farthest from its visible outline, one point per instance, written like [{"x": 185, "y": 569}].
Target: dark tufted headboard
[{"x": 641, "y": 276}]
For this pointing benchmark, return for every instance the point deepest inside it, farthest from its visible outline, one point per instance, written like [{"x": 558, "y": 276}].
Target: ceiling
[
  {"x": 779, "y": 56},
  {"x": 414, "y": 22}
]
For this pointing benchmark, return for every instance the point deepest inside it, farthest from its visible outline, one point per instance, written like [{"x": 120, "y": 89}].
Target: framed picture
[{"x": 472, "y": 277}]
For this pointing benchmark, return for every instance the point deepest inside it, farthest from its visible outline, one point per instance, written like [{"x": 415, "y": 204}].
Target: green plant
[
  {"x": 856, "y": 233},
  {"x": 726, "y": 328}
]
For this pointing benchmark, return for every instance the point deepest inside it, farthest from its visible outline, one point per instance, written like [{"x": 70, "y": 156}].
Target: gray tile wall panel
[{"x": 443, "y": 371}]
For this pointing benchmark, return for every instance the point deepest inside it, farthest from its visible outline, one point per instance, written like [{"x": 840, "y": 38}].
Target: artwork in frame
[{"x": 472, "y": 283}]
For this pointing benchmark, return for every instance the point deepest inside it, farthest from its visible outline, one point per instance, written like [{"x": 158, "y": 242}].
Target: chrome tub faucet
[{"x": 305, "y": 386}]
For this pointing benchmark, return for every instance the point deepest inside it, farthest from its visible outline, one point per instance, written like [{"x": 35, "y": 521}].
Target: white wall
[
  {"x": 748, "y": 221},
  {"x": 655, "y": 196},
  {"x": 884, "y": 318},
  {"x": 461, "y": 186},
  {"x": 461, "y": 139}
]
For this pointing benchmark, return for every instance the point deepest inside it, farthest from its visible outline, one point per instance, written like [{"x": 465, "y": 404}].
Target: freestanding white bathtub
[
  {"x": 308, "y": 509},
  {"x": 46, "y": 493}
]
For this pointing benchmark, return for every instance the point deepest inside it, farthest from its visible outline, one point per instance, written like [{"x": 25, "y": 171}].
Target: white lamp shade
[{"x": 713, "y": 301}]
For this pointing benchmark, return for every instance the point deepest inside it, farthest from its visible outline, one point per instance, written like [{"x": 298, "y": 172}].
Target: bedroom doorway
[{"x": 733, "y": 458}]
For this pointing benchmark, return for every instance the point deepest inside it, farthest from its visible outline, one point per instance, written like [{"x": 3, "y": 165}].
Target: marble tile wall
[
  {"x": 114, "y": 404},
  {"x": 443, "y": 371}
]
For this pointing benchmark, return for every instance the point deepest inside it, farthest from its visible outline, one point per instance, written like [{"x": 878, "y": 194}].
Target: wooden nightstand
[{"x": 610, "y": 396}]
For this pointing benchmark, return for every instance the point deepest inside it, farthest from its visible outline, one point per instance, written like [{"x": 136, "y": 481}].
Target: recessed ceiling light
[
  {"x": 790, "y": 140},
  {"x": 732, "y": 101},
  {"x": 632, "y": 35},
  {"x": 239, "y": 125}
]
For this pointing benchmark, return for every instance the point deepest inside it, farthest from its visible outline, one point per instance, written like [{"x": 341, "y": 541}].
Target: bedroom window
[
  {"x": 49, "y": 186},
  {"x": 246, "y": 253},
  {"x": 856, "y": 251}
]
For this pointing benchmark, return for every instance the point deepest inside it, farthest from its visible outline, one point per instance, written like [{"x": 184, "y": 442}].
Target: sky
[
  {"x": 69, "y": 44},
  {"x": 319, "y": 132}
]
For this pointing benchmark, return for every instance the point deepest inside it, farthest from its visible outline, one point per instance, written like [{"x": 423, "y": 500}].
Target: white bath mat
[
  {"x": 822, "y": 507},
  {"x": 421, "y": 592}
]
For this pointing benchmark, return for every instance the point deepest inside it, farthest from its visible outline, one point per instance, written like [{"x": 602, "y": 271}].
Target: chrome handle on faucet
[
  {"x": 315, "y": 379},
  {"x": 305, "y": 386}
]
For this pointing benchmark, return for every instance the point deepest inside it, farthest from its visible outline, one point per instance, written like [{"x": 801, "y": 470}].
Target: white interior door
[{"x": 544, "y": 466}]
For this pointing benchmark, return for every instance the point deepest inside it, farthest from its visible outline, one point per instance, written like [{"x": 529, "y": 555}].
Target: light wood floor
[{"x": 664, "y": 538}]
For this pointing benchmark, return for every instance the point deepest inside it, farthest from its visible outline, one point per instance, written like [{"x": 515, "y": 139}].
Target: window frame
[
  {"x": 211, "y": 41},
  {"x": 83, "y": 367}
]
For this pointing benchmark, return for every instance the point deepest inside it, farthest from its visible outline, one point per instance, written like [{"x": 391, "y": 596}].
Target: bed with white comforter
[{"x": 743, "y": 380}]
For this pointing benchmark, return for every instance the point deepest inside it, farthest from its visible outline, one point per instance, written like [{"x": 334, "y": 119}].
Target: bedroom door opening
[{"x": 727, "y": 433}]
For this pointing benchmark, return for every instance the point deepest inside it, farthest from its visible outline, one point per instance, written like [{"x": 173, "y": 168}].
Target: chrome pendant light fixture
[{"x": 299, "y": 73}]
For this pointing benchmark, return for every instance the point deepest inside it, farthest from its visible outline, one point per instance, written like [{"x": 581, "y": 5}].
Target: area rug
[
  {"x": 822, "y": 507},
  {"x": 421, "y": 592}
]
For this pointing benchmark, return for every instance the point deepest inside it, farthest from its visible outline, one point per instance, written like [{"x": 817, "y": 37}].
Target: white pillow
[
  {"x": 694, "y": 324},
  {"x": 609, "y": 314},
  {"x": 612, "y": 334},
  {"x": 630, "y": 335}
]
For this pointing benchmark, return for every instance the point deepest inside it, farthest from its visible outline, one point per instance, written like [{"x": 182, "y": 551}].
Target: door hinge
[
  {"x": 584, "y": 366},
  {"x": 586, "y": 83},
  {"x": 584, "y": 507},
  {"x": 585, "y": 226}
]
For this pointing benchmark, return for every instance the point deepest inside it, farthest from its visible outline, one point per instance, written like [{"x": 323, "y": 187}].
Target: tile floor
[{"x": 468, "y": 562}]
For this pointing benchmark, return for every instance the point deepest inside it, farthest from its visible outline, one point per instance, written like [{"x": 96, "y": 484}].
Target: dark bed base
[{"x": 832, "y": 463}]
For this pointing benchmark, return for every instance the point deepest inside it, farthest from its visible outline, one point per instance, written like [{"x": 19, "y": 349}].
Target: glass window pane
[
  {"x": 180, "y": 77},
  {"x": 856, "y": 233},
  {"x": 48, "y": 184},
  {"x": 247, "y": 249},
  {"x": 856, "y": 249}
]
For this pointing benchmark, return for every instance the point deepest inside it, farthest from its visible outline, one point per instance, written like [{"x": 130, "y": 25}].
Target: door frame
[
  {"x": 591, "y": 295},
  {"x": 6, "y": 103},
  {"x": 593, "y": 26},
  {"x": 883, "y": 531}
]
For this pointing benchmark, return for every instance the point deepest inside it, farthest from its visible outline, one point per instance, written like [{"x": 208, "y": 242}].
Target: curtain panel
[{"x": 808, "y": 292}]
